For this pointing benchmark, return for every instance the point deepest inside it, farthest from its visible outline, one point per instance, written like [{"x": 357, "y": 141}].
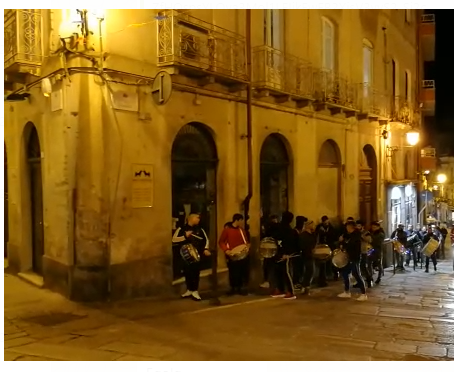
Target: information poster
[{"x": 142, "y": 186}]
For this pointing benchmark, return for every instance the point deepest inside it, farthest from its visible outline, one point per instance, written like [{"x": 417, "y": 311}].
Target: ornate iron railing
[
  {"x": 402, "y": 110},
  {"x": 335, "y": 89},
  {"x": 186, "y": 40},
  {"x": 373, "y": 101},
  {"x": 23, "y": 37},
  {"x": 279, "y": 71}
]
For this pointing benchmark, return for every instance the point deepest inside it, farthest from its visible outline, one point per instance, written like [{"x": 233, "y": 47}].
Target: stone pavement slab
[{"x": 407, "y": 317}]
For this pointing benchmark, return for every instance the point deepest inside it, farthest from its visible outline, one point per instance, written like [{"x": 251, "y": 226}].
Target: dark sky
[{"x": 441, "y": 128}]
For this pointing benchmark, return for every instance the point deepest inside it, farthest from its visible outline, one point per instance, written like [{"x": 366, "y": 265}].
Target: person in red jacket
[{"x": 233, "y": 236}]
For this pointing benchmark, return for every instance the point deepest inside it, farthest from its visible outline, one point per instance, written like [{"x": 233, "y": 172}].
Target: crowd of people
[{"x": 294, "y": 265}]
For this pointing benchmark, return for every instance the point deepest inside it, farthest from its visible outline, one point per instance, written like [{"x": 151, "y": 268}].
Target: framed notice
[{"x": 142, "y": 186}]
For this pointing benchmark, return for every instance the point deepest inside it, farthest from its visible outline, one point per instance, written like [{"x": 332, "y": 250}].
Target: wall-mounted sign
[
  {"x": 56, "y": 100},
  {"x": 142, "y": 186},
  {"x": 126, "y": 101}
]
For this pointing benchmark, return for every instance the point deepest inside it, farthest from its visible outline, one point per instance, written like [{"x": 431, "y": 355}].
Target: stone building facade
[{"x": 100, "y": 170}]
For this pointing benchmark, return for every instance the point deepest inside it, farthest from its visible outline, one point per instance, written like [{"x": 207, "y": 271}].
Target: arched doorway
[
  {"x": 368, "y": 185},
  {"x": 5, "y": 223},
  {"x": 194, "y": 162},
  {"x": 329, "y": 180},
  {"x": 274, "y": 176},
  {"x": 36, "y": 198}
]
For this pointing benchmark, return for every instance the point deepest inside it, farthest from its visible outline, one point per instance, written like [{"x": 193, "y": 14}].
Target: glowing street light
[
  {"x": 412, "y": 137},
  {"x": 441, "y": 178}
]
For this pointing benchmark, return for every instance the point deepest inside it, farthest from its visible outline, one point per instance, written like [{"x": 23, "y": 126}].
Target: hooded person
[
  {"x": 401, "y": 236},
  {"x": 378, "y": 237},
  {"x": 307, "y": 241},
  {"x": 287, "y": 238},
  {"x": 297, "y": 262}
]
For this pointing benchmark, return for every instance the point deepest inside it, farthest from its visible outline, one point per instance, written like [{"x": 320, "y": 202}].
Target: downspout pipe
[{"x": 249, "y": 195}]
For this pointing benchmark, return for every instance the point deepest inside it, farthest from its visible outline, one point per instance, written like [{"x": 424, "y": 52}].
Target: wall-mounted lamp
[
  {"x": 441, "y": 178},
  {"x": 46, "y": 87},
  {"x": 384, "y": 134},
  {"x": 412, "y": 137}
]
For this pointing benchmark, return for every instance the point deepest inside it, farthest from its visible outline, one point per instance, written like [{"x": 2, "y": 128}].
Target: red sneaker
[
  {"x": 277, "y": 294},
  {"x": 289, "y": 296}
]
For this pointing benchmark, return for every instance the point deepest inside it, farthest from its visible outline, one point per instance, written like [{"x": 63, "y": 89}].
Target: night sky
[{"x": 442, "y": 71}]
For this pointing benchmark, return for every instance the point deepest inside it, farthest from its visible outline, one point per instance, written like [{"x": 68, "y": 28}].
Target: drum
[
  {"x": 430, "y": 248},
  {"x": 365, "y": 247},
  {"x": 240, "y": 252},
  {"x": 268, "y": 248},
  {"x": 189, "y": 254},
  {"x": 370, "y": 252},
  {"x": 398, "y": 247},
  {"x": 340, "y": 258},
  {"x": 321, "y": 252}
]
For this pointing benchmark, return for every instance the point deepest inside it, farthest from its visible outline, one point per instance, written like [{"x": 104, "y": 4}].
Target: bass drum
[
  {"x": 268, "y": 248},
  {"x": 340, "y": 258},
  {"x": 430, "y": 248},
  {"x": 321, "y": 252}
]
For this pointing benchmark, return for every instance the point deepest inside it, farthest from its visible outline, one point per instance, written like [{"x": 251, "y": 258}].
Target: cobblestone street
[{"x": 409, "y": 316}]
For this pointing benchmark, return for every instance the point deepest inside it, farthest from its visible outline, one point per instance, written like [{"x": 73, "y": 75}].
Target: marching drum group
[{"x": 291, "y": 256}]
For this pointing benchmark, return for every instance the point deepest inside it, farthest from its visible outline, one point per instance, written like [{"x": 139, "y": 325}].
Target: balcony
[
  {"x": 372, "y": 103},
  {"x": 427, "y": 33},
  {"x": 200, "y": 49},
  {"x": 23, "y": 41},
  {"x": 335, "y": 92},
  {"x": 402, "y": 111},
  {"x": 427, "y": 97},
  {"x": 281, "y": 75}
]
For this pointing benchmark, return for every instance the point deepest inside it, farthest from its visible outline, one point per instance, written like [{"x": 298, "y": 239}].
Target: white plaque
[
  {"x": 56, "y": 100},
  {"x": 125, "y": 101}
]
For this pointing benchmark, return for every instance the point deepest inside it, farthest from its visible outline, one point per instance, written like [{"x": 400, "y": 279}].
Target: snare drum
[
  {"x": 189, "y": 254},
  {"x": 340, "y": 258},
  {"x": 398, "y": 247},
  {"x": 268, "y": 248},
  {"x": 430, "y": 248},
  {"x": 321, "y": 252},
  {"x": 240, "y": 252}
]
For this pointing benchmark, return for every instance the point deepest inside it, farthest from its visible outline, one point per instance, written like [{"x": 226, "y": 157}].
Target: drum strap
[{"x": 242, "y": 235}]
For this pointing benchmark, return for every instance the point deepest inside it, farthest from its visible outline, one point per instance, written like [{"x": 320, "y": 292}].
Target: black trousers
[
  {"x": 238, "y": 273},
  {"x": 412, "y": 252},
  {"x": 283, "y": 276},
  {"x": 377, "y": 259},
  {"x": 433, "y": 258},
  {"x": 192, "y": 276},
  {"x": 308, "y": 272},
  {"x": 297, "y": 269},
  {"x": 268, "y": 264},
  {"x": 322, "y": 265},
  {"x": 366, "y": 267}
]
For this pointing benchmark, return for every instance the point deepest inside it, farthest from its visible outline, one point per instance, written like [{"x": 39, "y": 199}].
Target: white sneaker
[
  {"x": 265, "y": 285},
  {"x": 345, "y": 295},
  {"x": 196, "y": 296},
  {"x": 362, "y": 297},
  {"x": 186, "y": 294}
]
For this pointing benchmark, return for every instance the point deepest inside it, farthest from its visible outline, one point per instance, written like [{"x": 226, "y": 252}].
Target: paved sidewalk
[{"x": 409, "y": 316}]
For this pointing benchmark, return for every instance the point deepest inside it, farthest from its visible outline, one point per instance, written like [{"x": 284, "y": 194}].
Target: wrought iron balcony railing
[
  {"x": 402, "y": 110},
  {"x": 23, "y": 39},
  {"x": 333, "y": 89},
  {"x": 372, "y": 101},
  {"x": 281, "y": 72},
  {"x": 188, "y": 41}
]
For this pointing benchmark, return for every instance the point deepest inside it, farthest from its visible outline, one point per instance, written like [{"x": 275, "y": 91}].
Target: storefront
[{"x": 402, "y": 205}]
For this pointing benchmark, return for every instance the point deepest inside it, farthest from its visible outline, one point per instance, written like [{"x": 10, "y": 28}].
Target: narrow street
[{"x": 409, "y": 316}]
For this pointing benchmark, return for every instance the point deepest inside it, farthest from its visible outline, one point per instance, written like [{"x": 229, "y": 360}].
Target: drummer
[
  {"x": 233, "y": 236},
  {"x": 430, "y": 234},
  {"x": 192, "y": 233},
  {"x": 378, "y": 237},
  {"x": 307, "y": 241}
]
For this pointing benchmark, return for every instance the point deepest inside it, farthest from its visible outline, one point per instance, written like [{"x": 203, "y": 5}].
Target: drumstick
[{"x": 196, "y": 236}]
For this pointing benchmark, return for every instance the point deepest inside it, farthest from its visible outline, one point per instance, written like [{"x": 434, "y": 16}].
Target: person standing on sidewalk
[
  {"x": 367, "y": 270},
  {"x": 297, "y": 262},
  {"x": 431, "y": 234},
  {"x": 326, "y": 234},
  {"x": 351, "y": 243},
  {"x": 378, "y": 237},
  {"x": 401, "y": 236},
  {"x": 307, "y": 241},
  {"x": 233, "y": 236},
  {"x": 269, "y": 230},
  {"x": 192, "y": 233},
  {"x": 287, "y": 239}
]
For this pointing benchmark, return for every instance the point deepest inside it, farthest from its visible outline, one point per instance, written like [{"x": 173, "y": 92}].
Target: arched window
[{"x": 328, "y": 45}]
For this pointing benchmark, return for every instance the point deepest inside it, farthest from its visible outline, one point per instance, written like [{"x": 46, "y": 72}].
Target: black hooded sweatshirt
[
  {"x": 287, "y": 236},
  {"x": 352, "y": 244}
]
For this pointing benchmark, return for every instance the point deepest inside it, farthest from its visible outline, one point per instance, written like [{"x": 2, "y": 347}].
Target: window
[
  {"x": 274, "y": 28},
  {"x": 368, "y": 59},
  {"x": 395, "y": 80},
  {"x": 328, "y": 45},
  {"x": 408, "y": 15},
  {"x": 407, "y": 86}
]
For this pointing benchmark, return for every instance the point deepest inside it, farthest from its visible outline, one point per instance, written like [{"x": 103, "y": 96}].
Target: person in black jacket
[
  {"x": 378, "y": 237},
  {"x": 351, "y": 243},
  {"x": 307, "y": 241},
  {"x": 297, "y": 262},
  {"x": 287, "y": 238},
  {"x": 192, "y": 233},
  {"x": 430, "y": 234},
  {"x": 269, "y": 230},
  {"x": 326, "y": 234},
  {"x": 401, "y": 236}
]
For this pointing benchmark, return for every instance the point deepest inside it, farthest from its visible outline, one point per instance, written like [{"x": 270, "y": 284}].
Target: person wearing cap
[
  {"x": 378, "y": 237},
  {"x": 401, "y": 236},
  {"x": 351, "y": 242}
]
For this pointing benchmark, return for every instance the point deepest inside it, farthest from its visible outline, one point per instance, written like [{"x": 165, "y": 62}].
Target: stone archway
[
  {"x": 194, "y": 163},
  {"x": 368, "y": 185},
  {"x": 33, "y": 151},
  {"x": 274, "y": 176},
  {"x": 329, "y": 201}
]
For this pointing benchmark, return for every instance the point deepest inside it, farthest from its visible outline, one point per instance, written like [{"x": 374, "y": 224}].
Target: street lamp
[
  {"x": 441, "y": 178},
  {"x": 412, "y": 137}
]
